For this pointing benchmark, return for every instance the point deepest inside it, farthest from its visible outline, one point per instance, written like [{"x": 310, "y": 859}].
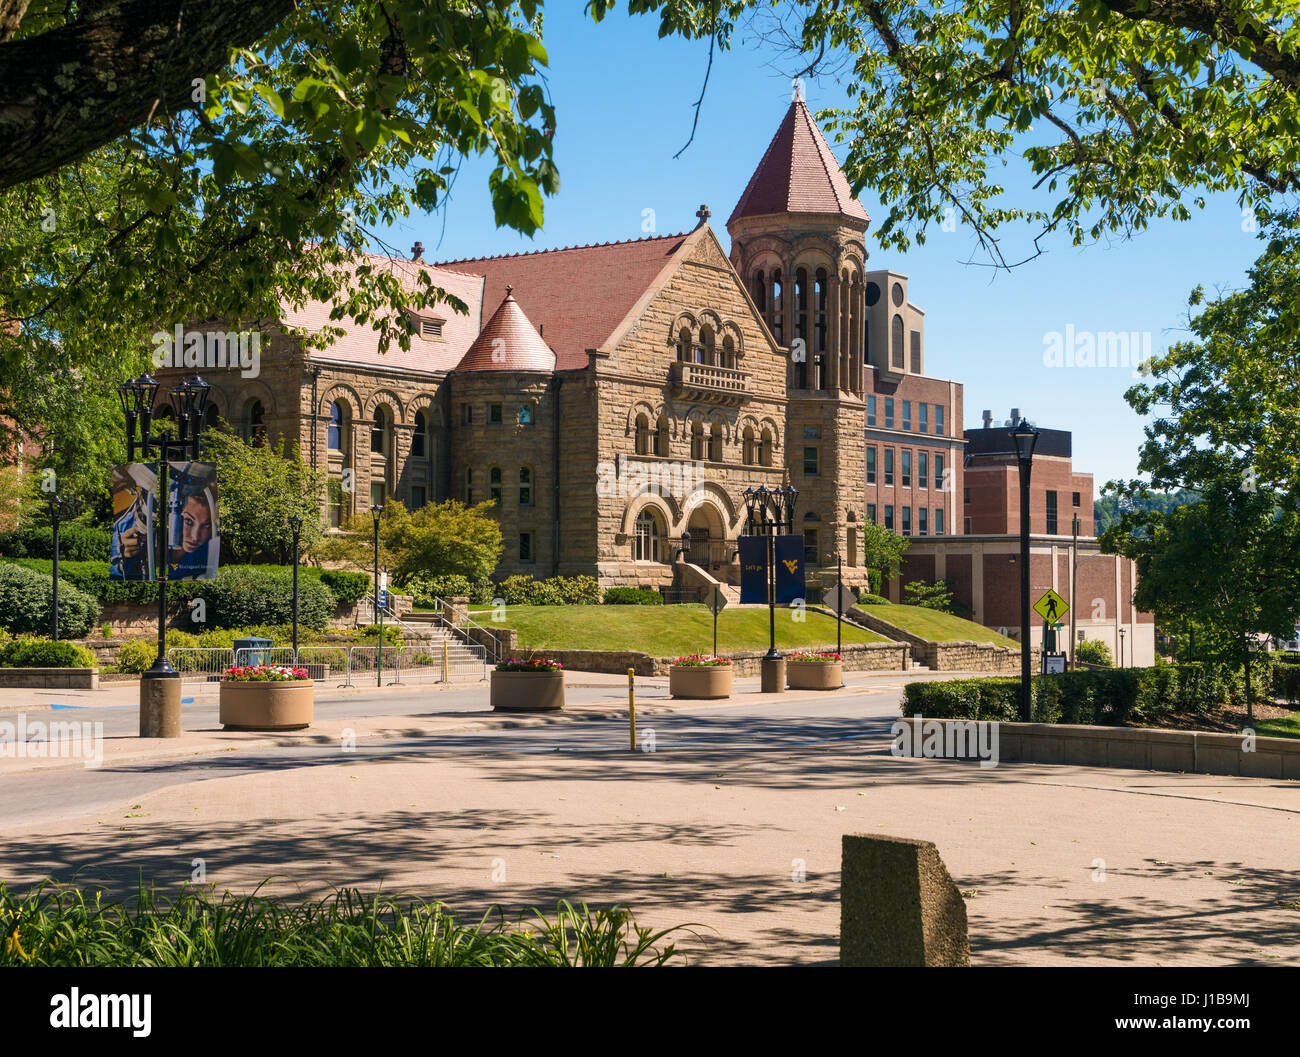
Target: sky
[{"x": 625, "y": 102}]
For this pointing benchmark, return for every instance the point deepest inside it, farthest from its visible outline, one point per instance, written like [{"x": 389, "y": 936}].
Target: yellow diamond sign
[{"x": 1051, "y": 607}]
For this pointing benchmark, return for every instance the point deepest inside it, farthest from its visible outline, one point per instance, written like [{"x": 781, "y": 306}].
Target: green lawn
[
  {"x": 666, "y": 631},
  {"x": 1284, "y": 727},
  {"x": 938, "y": 627}
]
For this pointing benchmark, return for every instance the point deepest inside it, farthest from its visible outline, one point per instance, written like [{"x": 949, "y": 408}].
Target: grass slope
[
  {"x": 938, "y": 627},
  {"x": 666, "y": 631}
]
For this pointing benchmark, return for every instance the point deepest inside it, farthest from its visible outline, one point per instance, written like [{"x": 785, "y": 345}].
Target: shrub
[
  {"x": 929, "y": 596},
  {"x": 873, "y": 600},
  {"x": 137, "y": 655},
  {"x": 1092, "y": 651},
  {"x": 44, "y": 653},
  {"x": 246, "y": 595},
  {"x": 348, "y": 587},
  {"x": 26, "y": 602},
  {"x": 633, "y": 596},
  {"x": 578, "y": 590},
  {"x": 426, "y": 590},
  {"x": 76, "y": 543},
  {"x": 1286, "y": 682}
]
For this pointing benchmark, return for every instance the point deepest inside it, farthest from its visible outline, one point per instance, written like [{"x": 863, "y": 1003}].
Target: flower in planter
[
  {"x": 265, "y": 673},
  {"x": 813, "y": 656},
  {"x": 530, "y": 664},
  {"x": 700, "y": 660}
]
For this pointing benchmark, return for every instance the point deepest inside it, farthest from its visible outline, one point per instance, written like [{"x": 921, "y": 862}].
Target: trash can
[{"x": 255, "y": 651}]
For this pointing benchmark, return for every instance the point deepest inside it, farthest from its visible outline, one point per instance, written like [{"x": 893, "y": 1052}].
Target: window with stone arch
[
  {"x": 821, "y": 299},
  {"x": 759, "y": 285},
  {"x": 662, "y": 437},
  {"x": 684, "y": 345},
  {"x": 708, "y": 353},
  {"x": 747, "y": 446},
  {"x": 421, "y": 445},
  {"x": 338, "y": 433},
  {"x": 643, "y": 434},
  {"x": 715, "y": 442},
  {"x": 647, "y": 539},
  {"x": 729, "y": 352},
  {"x": 381, "y": 431},
  {"x": 776, "y": 307},
  {"x": 254, "y": 423},
  {"x": 801, "y": 325},
  {"x": 697, "y": 441},
  {"x": 765, "y": 448}
]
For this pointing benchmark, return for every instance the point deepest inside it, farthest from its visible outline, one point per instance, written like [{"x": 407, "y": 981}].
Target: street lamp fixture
[
  {"x": 767, "y": 512},
  {"x": 160, "y": 689},
  {"x": 1026, "y": 438}
]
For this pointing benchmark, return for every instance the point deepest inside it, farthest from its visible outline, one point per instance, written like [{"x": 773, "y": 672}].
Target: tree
[
  {"x": 160, "y": 160},
  {"x": 258, "y": 489},
  {"x": 882, "y": 550},
  {"x": 1120, "y": 111},
  {"x": 439, "y": 539}
]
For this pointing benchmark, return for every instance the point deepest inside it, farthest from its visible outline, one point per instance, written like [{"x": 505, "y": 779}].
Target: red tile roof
[
  {"x": 798, "y": 174},
  {"x": 576, "y": 296},
  {"x": 508, "y": 342}
]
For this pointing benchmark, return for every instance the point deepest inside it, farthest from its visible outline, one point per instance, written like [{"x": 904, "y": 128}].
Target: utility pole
[{"x": 1074, "y": 588}]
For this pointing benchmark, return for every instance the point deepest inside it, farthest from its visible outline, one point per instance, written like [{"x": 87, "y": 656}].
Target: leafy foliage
[
  {"x": 937, "y": 595},
  {"x": 1093, "y": 651},
  {"x": 27, "y": 602},
  {"x": 76, "y": 542},
  {"x": 632, "y": 596},
  {"x": 45, "y": 653},
  {"x": 241, "y": 596}
]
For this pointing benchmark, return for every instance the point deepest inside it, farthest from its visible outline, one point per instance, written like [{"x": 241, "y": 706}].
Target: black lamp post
[
  {"x": 767, "y": 511},
  {"x": 160, "y": 700},
  {"x": 1025, "y": 436},
  {"x": 1121, "y": 647},
  {"x": 375, "y": 512},
  {"x": 295, "y": 526}
]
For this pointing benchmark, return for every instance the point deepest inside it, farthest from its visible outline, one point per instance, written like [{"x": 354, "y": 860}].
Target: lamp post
[
  {"x": 1025, "y": 436},
  {"x": 58, "y": 507},
  {"x": 160, "y": 686},
  {"x": 767, "y": 509},
  {"x": 375, "y": 513},
  {"x": 1121, "y": 647},
  {"x": 295, "y": 526}
]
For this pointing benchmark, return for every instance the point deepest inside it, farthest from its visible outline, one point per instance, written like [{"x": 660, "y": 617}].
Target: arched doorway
[{"x": 708, "y": 532}]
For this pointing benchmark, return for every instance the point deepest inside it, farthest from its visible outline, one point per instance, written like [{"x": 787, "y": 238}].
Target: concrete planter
[
  {"x": 269, "y": 705},
  {"x": 50, "y": 678},
  {"x": 702, "y": 682},
  {"x": 814, "y": 675},
  {"x": 527, "y": 691}
]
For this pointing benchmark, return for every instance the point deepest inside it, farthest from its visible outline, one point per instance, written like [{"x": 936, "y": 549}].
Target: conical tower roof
[
  {"x": 508, "y": 342},
  {"x": 798, "y": 174}
]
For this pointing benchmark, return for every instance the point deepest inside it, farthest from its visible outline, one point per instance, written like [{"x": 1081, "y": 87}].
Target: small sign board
[
  {"x": 715, "y": 600},
  {"x": 842, "y": 599},
  {"x": 1051, "y": 607},
  {"x": 1053, "y": 663}
]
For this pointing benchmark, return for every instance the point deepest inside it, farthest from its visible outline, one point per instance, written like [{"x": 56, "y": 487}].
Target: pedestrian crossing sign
[{"x": 1051, "y": 607}]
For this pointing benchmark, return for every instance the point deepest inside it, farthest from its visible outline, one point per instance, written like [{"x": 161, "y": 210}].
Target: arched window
[
  {"x": 381, "y": 431},
  {"x": 211, "y": 418},
  {"x": 642, "y": 435},
  {"x": 336, "y": 435},
  {"x": 646, "y": 543},
  {"x": 662, "y": 438},
  {"x": 896, "y": 343},
  {"x": 729, "y": 352},
  {"x": 801, "y": 326},
  {"x": 765, "y": 448},
  {"x": 715, "y": 443},
  {"x": 707, "y": 350},
  {"x": 254, "y": 424},
  {"x": 420, "y": 438},
  {"x": 760, "y": 291},
  {"x": 697, "y": 440},
  {"x": 776, "y": 308},
  {"x": 684, "y": 345},
  {"x": 747, "y": 448},
  {"x": 525, "y": 486},
  {"x": 494, "y": 484},
  {"x": 822, "y": 300}
]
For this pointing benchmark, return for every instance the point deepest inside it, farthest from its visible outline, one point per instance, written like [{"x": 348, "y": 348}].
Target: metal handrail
[{"x": 440, "y": 605}]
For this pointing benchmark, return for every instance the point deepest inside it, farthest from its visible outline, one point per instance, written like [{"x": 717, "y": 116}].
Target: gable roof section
[
  {"x": 798, "y": 174},
  {"x": 580, "y": 296}
]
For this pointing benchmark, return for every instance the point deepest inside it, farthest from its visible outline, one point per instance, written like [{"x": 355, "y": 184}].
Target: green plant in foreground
[{"x": 60, "y": 925}]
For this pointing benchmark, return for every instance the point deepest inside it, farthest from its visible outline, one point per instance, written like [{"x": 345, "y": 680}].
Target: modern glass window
[
  {"x": 907, "y": 469},
  {"x": 923, "y": 468},
  {"x": 907, "y": 520},
  {"x": 922, "y": 516},
  {"x": 494, "y": 414},
  {"x": 938, "y": 521},
  {"x": 810, "y": 462},
  {"x": 525, "y": 486},
  {"x": 889, "y": 466},
  {"x": 525, "y": 546},
  {"x": 907, "y": 414},
  {"x": 1076, "y": 498},
  {"x": 1051, "y": 513},
  {"x": 871, "y": 466},
  {"x": 966, "y": 525},
  {"x": 938, "y": 419},
  {"x": 938, "y": 472},
  {"x": 889, "y": 412},
  {"x": 871, "y": 513},
  {"x": 494, "y": 483},
  {"x": 923, "y": 417},
  {"x": 889, "y": 517},
  {"x": 965, "y": 495},
  {"x": 871, "y": 410}
]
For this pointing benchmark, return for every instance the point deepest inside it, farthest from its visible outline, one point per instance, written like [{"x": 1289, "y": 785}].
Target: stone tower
[{"x": 798, "y": 243}]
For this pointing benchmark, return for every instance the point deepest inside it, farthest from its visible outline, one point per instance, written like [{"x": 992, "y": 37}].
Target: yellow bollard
[
  {"x": 444, "y": 660},
  {"x": 631, "y": 706}
]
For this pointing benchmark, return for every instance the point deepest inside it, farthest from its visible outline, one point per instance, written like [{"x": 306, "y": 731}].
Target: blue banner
[
  {"x": 789, "y": 569},
  {"x": 753, "y": 569}
]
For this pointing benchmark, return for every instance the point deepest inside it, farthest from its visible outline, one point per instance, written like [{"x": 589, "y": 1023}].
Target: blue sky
[{"x": 624, "y": 100}]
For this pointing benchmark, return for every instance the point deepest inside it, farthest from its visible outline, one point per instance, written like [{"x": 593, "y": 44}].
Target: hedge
[
  {"x": 1117, "y": 697},
  {"x": 633, "y": 596},
  {"x": 76, "y": 543},
  {"x": 348, "y": 587},
  {"x": 27, "y": 602},
  {"x": 44, "y": 653},
  {"x": 243, "y": 595}
]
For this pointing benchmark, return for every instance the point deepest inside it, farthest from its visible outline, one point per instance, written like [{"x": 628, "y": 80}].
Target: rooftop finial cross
[{"x": 703, "y": 213}]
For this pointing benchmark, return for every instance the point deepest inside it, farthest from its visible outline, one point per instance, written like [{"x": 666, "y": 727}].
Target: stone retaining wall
[
  {"x": 50, "y": 678},
  {"x": 1147, "y": 749},
  {"x": 859, "y": 657},
  {"x": 964, "y": 656}
]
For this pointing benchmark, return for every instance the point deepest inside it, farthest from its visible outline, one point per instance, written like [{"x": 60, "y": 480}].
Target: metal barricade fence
[
  {"x": 439, "y": 662},
  {"x": 200, "y": 664}
]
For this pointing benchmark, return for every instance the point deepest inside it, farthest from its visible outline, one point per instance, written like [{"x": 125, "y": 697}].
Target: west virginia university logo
[{"x": 790, "y": 565}]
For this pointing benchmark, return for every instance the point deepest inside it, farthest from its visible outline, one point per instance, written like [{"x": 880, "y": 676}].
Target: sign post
[
  {"x": 1052, "y": 608},
  {"x": 717, "y": 602}
]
